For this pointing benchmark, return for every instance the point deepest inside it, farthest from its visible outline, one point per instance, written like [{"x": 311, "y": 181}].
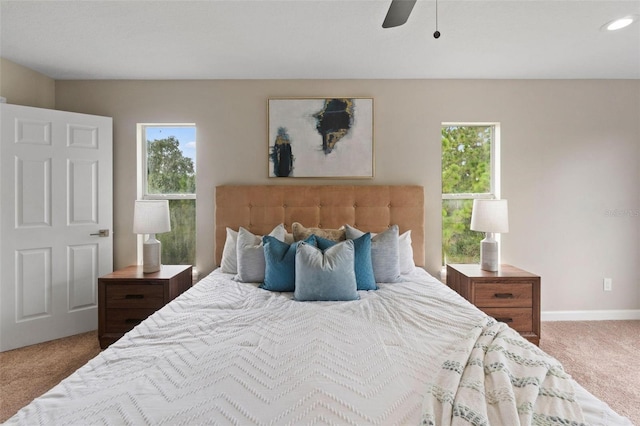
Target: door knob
[{"x": 102, "y": 233}]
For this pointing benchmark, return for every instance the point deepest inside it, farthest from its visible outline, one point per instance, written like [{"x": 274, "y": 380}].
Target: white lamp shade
[
  {"x": 151, "y": 217},
  {"x": 490, "y": 216}
]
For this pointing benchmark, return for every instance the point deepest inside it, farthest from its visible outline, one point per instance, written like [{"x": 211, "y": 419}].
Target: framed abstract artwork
[{"x": 321, "y": 138}]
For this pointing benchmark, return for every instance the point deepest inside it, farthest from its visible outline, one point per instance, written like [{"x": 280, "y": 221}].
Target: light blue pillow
[
  {"x": 362, "y": 262},
  {"x": 327, "y": 275},
  {"x": 385, "y": 253},
  {"x": 280, "y": 263},
  {"x": 250, "y": 254}
]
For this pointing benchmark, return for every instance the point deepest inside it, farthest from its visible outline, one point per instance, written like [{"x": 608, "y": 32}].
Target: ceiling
[{"x": 320, "y": 39}]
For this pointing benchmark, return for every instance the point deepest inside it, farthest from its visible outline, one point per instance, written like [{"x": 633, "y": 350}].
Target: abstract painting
[{"x": 321, "y": 137}]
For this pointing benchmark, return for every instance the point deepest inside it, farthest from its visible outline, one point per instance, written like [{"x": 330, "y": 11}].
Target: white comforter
[{"x": 230, "y": 353}]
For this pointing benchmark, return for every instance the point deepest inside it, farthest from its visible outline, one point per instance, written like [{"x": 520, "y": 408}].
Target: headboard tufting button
[
  {"x": 284, "y": 206},
  {"x": 319, "y": 225},
  {"x": 389, "y": 205},
  {"x": 355, "y": 205}
]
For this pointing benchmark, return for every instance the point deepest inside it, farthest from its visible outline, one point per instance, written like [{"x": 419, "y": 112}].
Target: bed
[{"x": 408, "y": 352}]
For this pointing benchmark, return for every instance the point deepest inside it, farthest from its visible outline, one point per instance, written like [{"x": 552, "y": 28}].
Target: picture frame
[{"x": 320, "y": 137}]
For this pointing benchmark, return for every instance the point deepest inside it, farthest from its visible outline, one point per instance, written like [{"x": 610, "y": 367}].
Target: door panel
[
  {"x": 32, "y": 132},
  {"x": 56, "y": 194},
  {"x": 83, "y": 191},
  {"x": 33, "y": 284},
  {"x": 33, "y": 192},
  {"x": 82, "y": 136},
  {"x": 82, "y": 266}
]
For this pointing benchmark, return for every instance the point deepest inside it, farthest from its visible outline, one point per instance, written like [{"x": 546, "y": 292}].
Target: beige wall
[
  {"x": 23, "y": 86},
  {"x": 570, "y": 153}
]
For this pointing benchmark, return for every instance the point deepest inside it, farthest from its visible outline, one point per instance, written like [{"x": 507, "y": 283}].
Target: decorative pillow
[
  {"x": 385, "y": 253},
  {"x": 288, "y": 238},
  {"x": 229, "y": 262},
  {"x": 250, "y": 254},
  {"x": 407, "y": 265},
  {"x": 300, "y": 233},
  {"x": 280, "y": 263},
  {"x": 362, "y": 261},
  {"x": 405, "y": 250},
  {"x": 325, "y": 276}
]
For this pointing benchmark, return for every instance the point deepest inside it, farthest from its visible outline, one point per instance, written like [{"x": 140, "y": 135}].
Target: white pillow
[
  {"x": 229, "y": 261},
  {"x": 407, "y": 265}
]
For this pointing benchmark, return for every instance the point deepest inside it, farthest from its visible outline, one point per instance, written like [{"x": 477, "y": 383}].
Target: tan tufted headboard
[{"x": 259, "y": 208}]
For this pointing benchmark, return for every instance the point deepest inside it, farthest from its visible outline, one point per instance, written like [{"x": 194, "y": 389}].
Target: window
[
  {"x": 470, "y": 170},
  {"x": 167, "y": 154}
]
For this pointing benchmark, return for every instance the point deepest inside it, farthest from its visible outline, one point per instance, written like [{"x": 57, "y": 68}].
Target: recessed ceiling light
[{"x": 620, "y": 23}]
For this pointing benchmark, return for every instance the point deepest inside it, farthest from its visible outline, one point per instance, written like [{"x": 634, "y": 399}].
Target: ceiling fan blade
[{"x": 398, "y": 13}]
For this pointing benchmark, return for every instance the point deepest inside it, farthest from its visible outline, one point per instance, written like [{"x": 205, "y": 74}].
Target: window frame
[
  {"x": 142, "y": 171},
  {"x": 495, "y": 191}
]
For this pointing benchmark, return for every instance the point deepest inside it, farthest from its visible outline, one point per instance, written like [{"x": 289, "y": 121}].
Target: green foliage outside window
[
  {"x": 466, "y": 169},
  {"x": 170, "y": 172},
  {"x": 459, "y": 243},
  {"x": 179, "y": 245}
]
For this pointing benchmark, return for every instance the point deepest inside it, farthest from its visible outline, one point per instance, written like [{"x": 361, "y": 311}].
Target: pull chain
[{"x": 437, "y": 33}]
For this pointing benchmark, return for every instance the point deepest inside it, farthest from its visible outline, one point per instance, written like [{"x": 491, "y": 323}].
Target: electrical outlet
[{"x": 607, "y": 284}]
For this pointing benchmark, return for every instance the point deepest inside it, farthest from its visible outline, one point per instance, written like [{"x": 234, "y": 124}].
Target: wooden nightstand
[
  {"x": 128, "y": 296},
  {"x": 510, "y": 295}
]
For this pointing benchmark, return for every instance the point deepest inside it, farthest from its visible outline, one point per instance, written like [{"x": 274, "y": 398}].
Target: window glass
[
  {"x": 179, "y": 245},
  {"x": 459, "y": 243},
  {"x": 466, "y": 159},
  {"x": 170, "y": 154},
  {"x": 169, "y": 172},
  {"x": 468, "y": 172}
]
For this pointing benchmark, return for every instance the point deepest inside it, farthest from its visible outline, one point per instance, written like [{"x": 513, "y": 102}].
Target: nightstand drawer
[
  {"x": 123, "y": 320},
  {"x": 520, "y": 319},
  {"x": 509, "y": 294},
  {"x": 503, "y": 295},
  {"x": 128, "y": 295}
]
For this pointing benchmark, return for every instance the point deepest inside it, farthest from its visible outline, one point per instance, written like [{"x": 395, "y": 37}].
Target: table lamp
[
  {"x": 151, "y": 217},
  {"x": 490, "y": 216}
]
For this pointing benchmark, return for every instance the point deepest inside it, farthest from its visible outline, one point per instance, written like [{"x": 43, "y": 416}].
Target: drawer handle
[
  {"x": 134, "y": 296},
  {"x": 132, "y": 321},
  {"x": 504, "y": 319},
  {"x": 503, "y": 295}
]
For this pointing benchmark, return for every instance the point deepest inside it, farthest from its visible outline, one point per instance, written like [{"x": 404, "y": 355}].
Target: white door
[{"x": 55, "y": 222}]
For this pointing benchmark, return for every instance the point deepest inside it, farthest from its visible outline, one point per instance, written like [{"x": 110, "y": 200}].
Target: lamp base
[
  {"x": 151, "y": 250},
  {"x": 489, "y": 259}
]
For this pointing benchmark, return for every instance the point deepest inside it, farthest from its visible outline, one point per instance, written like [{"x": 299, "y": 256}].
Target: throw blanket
[{"x": 495, "y": 377}]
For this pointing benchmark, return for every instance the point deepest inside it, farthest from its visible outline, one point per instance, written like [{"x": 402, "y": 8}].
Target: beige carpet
[
  {"x": 27, "y": 373},
  {"x": 600, "y": 355}
]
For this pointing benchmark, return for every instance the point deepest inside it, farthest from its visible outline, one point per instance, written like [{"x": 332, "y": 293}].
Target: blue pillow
[
  {"x": 327, "y": 275},
  {"x": 280, "y": 263},
  {"x": 362, "y": 263}
]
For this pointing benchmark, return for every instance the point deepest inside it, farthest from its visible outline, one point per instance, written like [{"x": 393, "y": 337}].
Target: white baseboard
[{"x": 619, "y": 314}]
